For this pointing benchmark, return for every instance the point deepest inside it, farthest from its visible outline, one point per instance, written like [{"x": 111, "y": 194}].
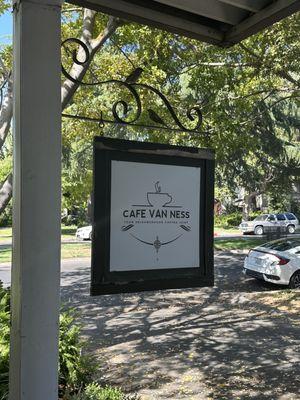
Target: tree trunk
[
  {"x": 78, "y": 71},
  {"x": 245, "y": 213},
  {"x": 6, "y": 192},
  {"x": 6, "y": 113},
  {"x": 68, "y": 88},
  {"x": 247, "y": 205}
]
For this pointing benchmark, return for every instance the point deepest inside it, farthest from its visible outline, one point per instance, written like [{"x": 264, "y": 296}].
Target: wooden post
[{"x": 36, "y": 203}]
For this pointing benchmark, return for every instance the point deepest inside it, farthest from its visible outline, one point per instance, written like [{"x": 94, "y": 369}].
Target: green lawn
[
  {"x": 67, "y": 233},
  {"x": 5, "y": 234},
  {"x": 68, "y": 250},
  {"x": 83, "y": 249},
  {"x": 76, "y": 250},
  {"x": 220, "y": 230},
  {"x": 237, "y": 244}
]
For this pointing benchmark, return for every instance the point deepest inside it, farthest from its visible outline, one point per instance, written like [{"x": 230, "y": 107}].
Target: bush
[
  {"x": 255, "y": 214},
  {"x": 75, "y": 369},
  {"x": 227, "y": 221},
  {"x": 4, "y": 340},
  {"x": 78, "y": 216},
  {"x": 234, "y": 220},
  {"x": 94, "y": 392},
  {"x": 6, "y": 217}
]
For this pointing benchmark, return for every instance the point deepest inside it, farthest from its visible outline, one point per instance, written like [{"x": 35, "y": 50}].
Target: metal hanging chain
[{"x": 120, "y": 108}]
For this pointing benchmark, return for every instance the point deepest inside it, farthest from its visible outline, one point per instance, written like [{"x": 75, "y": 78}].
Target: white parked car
[
  {"x": 84, "y": 233},
  {"x": 277, "y": 262},
  {"x": 286, "y": 222}
]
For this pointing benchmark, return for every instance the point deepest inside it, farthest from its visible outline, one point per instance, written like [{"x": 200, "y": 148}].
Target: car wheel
[
  {"x": 295, "y": 281},
  {"x": 259, "y": 230},
  {"x": 291, "y": 229}
]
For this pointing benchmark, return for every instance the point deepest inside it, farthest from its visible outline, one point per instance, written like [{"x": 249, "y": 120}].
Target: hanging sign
[{"x": 153, "y": 217}]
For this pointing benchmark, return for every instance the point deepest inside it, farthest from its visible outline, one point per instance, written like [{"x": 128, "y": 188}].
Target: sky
[{"x": 6, "y": 28}]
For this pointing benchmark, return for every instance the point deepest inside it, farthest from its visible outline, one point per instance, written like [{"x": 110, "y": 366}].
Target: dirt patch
[{"x": 284, "y": 300}]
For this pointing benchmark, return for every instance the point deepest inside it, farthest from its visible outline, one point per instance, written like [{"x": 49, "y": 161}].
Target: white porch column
[{"x": 36, "y": 208}]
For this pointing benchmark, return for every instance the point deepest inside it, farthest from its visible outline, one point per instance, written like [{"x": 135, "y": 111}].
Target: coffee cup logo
[
  {"x": 158, "y": 199},
  {"x": 160, "y": 209}
]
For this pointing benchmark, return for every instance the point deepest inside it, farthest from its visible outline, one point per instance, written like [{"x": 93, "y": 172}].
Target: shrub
[
  {"x": 4, "y": 340},
  {"x": 95, "y": 392},
  {"x": 6, "y": 217},
  {"x": 75, "y": 369},
  {"x": 78, "y": 216},
  {"x": 234, "y": 220},
  {"x": 255, "y": 214},
  {"x": 227, "y": 221}
]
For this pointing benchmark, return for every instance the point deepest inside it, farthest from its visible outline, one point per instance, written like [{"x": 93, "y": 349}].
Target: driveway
[{"x": 237, "y": 340}]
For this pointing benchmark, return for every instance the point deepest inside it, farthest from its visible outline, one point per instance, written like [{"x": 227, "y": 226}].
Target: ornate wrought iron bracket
[{"x": 122, "y": 111}]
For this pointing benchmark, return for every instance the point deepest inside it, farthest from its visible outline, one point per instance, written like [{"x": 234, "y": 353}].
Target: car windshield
[
  {"x": 282, "y": 245},
  {"x": 260, "y": 218}
]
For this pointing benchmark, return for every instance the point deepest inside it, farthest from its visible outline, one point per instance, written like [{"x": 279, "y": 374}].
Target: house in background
[{"x": 249, "y": 202}]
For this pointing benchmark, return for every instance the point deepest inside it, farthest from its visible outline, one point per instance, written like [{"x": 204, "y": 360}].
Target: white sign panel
[{"x": 154, "y": 216}]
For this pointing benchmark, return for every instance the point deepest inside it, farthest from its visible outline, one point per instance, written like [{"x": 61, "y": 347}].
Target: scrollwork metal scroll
[{"x": 120, "y": 108}]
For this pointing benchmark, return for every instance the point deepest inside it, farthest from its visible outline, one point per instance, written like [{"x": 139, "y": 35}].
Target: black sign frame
[{"x": 104, "y": 281}]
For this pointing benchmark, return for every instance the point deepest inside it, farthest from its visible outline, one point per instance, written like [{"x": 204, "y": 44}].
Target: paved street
[
  {"x": 237, "y": 340},
  {"x": 70, "y": 266}
]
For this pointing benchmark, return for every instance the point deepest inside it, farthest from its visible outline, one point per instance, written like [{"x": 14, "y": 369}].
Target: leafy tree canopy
[
  {"x": 249, "y": 96},
  {"x": 4, "y": 6}
]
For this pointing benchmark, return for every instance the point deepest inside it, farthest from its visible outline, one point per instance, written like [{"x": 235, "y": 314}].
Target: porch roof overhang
[{"x": 220, "y": 22}]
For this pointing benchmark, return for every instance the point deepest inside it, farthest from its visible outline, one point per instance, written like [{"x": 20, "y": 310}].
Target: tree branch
[
  {"x": 5, "y": 72},
  {"x": 268, "y": 108},
  {"x": 6, "y": 192},
  {"x": 224, "y": 64},
  {"x": 68, "y": 87},
  {"x": 89, "y": 17},
  {"x": 280, "y": 72},
  {"x": 6, "y": 113},
  {"x": 78, "y": 71}
]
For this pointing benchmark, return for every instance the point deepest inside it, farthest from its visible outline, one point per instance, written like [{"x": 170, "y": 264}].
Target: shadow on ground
[{"x": 208, "y": 343}]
